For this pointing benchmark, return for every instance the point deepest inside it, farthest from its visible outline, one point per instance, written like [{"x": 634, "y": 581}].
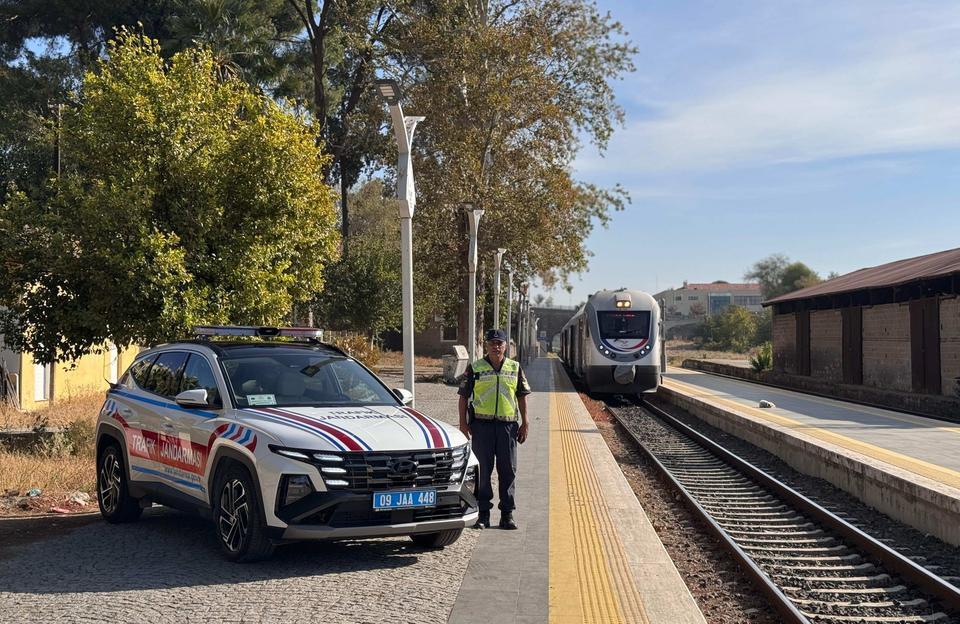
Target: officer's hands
[
  {"x": 465, "y": 429},
  {"x": 522, "y": 433}
]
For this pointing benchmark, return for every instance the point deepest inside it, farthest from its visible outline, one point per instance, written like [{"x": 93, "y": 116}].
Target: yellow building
[{"x": 37, "y": 385}]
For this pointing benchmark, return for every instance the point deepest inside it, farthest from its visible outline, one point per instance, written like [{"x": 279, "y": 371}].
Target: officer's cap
[{"x": 495, "y": 334}]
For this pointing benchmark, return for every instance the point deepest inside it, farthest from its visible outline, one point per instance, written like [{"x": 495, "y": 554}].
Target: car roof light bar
[{"x": 251, "y": 330}]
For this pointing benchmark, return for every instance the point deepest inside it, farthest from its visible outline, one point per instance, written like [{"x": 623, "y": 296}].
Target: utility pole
[
  {"x": 403, "y": 129},
  {"x": 509, "y": 306},
  {"x": 473, "y": 218},
  {"x": 498, "y": 260}
]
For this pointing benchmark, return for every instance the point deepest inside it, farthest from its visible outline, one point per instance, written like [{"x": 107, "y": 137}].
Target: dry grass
[
  {"x": 66, "y": 462},
  {"x": 394, "y": 359},
  {"x": 61, "y": 413},
  {"x": 678, "y": 351},
  {"x": 53, "y": 475}
]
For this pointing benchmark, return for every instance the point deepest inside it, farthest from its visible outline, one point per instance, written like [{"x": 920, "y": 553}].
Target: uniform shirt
[{"x": 466, "y": 388}]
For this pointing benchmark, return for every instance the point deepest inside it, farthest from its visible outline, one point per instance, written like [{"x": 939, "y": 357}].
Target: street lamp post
[
  {"x": 509, "y": 306},
  {"x": 498, "y": 261},
  {"x": 521, "y": 345},
  {"x": 473, "y": 216},
  {"x": 403, "y": 129}
]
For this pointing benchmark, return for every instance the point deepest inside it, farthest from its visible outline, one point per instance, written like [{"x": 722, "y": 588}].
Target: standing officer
[{"x": 497, "y": 391}]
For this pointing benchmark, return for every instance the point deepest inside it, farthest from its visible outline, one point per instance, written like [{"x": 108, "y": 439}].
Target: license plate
[{"x": 405, "y": 499}]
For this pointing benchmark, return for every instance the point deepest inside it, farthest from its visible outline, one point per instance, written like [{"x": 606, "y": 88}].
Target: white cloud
[{"x": 894, "y": 90}]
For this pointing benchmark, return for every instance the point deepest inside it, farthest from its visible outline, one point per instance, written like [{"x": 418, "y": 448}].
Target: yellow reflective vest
[{"x": 495, "y": 392}]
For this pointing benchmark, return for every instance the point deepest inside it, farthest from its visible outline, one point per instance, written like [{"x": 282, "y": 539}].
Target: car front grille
[
  {"x": 377, "y": 471},
  {"x": 360, "y": 514}
]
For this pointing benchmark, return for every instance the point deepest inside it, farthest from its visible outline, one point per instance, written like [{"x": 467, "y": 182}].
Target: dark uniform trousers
[{"x": 495, "y": 441}]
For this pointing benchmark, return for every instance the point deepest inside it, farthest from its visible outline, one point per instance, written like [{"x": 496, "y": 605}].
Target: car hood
[{"x": 375, "y": 428}]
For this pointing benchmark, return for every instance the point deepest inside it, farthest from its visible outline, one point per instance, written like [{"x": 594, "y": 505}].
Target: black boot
[
  {"x": 506, "y": 521},
  {"x": 483, "y": 520}
]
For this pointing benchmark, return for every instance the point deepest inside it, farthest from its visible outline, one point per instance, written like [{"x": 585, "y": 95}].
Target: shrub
[
  {"x": 762, "y": 359},
  {"x": 359, "y": 348}
]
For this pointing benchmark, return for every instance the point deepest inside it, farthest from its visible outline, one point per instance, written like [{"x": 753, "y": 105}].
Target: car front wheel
[
  {"x": 113, "y": 495},
  {"x": 240, "y": 528}
]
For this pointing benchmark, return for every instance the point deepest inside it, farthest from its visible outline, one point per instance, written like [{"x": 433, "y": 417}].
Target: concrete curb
[{"x": 915, "y": 500}]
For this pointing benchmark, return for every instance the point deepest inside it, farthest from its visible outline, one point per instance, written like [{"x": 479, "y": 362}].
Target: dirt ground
[{"x": 680, "y": 350}]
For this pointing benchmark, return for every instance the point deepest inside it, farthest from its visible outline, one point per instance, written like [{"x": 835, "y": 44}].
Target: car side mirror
[
  {"x": 192, "y": 398},
  {"x": 405, "y": 396}
]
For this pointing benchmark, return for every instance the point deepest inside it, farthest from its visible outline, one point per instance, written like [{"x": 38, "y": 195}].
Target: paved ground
[
  {"x": 167, "y": 568},
  {"x": 914, "y": 437},
  {"x": 506, "y": 581}
]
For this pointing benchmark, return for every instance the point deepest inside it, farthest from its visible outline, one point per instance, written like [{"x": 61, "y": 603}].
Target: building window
[
  {"x": 693, "y": 297},
  {"x": 679, "y": 297},
  {"x": 41, "y": 382},
  {"x": 448, "y": 333},
  {"x": 747, "y": 300}
]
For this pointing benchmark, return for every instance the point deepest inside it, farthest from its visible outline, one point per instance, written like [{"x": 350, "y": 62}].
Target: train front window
[{"x": 633, "y": 324}]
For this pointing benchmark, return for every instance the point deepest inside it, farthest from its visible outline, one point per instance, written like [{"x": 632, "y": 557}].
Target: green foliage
[
  {"x": 507, "y": 102},
  {"x": 190, "y": 199},
  {"x": 735, "y": 329},
  {"x": 363, "y": 292},
  {"x": 762, "y": 359},
  {"x": 778, "y": 276}
]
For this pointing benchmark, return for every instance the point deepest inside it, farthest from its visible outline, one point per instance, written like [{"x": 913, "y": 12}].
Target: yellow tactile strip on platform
[
  {"x": 936, "y": 473},
  {"x": 590, "y": 580}
]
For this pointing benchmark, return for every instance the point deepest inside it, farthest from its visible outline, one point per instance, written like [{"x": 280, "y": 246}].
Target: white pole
[
  {"x": 509, "y": 307},
  {"x": 403, "y": 129},
  {"x": 406, "y": 273},
  {"x": 498, "y": 260},
  {"x": 474, "y": 222}
]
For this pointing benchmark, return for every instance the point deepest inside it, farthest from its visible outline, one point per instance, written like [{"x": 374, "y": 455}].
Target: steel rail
[{"x": 947, "y": 594}]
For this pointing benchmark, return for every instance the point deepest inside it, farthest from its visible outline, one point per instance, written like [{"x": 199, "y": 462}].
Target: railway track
[{"x": 810, "y": 564}]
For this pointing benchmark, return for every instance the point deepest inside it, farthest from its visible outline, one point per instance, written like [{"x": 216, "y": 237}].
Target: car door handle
[
  {"x": 168, "y": 426},
  {"x": 126, "y": 411}
]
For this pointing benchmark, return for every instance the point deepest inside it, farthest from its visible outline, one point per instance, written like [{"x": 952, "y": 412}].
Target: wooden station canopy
[{"x": 903, "y": 280}]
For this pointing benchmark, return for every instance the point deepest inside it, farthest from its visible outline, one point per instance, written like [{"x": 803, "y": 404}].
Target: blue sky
[{"x": 829, "y": 132}]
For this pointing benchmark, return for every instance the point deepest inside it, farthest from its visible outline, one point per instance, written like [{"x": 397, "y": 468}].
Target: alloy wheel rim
[
  {"x": 234, "y": 515},
  {"x": 109, "y": 483}
]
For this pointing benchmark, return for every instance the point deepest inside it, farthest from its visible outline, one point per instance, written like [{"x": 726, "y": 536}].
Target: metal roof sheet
[{"x": 885, "y": 275}]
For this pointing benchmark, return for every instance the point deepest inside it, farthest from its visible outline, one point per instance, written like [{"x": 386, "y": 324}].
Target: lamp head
[{"x": 389, "y": 90}]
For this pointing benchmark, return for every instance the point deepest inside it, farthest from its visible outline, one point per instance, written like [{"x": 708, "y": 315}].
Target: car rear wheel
[
  {"x": 113, "y": 495},
  {"x": 238, "y": 517},
  {"x": 436, "y": 540}
]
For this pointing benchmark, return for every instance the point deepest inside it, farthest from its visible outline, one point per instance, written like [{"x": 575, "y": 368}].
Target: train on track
[{"x": 613, "y": 343}]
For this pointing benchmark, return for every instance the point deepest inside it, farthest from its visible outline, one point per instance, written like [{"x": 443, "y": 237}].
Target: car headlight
[{"x": 460, "y": 456}]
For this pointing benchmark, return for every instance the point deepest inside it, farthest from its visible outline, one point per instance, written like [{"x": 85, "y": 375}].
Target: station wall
[
  {"x": 826, "y": 344},
  {"x": 886, "y": 347},
  {"x": 950, "y": 346},
  {"x": 785, "y": 343}
]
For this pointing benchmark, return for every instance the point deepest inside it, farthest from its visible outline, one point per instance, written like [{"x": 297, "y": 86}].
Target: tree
[
  {"x": 778, "y": 276},
  {"x": 363, "y": 290},
  {"x": 768, "y": 272},
  {"x": 734, "y": 329},
  {"x": 195, "y": 201},
  {"x": 797, "y": 275},
  {"x": 509, "y": 88}
]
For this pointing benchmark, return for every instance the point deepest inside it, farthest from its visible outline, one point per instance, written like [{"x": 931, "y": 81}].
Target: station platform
[
  {"x": 585, "y": 551},
  {"x": 904, "y": 465}
]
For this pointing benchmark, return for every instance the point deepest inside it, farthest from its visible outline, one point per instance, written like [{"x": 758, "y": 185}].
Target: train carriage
[{"x": 612, "y": 344}]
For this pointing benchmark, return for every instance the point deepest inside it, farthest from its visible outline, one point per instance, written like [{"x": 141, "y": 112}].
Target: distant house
[
  {"x": 895, "y": 326},
  {"x": 698, "y": 300},
  {"x": 34, "y": 385}
]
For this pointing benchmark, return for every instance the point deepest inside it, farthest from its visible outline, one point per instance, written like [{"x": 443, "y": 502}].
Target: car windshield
[{"x": 301, "y": 377}]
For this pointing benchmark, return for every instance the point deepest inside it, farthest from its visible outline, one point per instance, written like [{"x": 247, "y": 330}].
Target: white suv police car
[{"x": 278, "y": 440}]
